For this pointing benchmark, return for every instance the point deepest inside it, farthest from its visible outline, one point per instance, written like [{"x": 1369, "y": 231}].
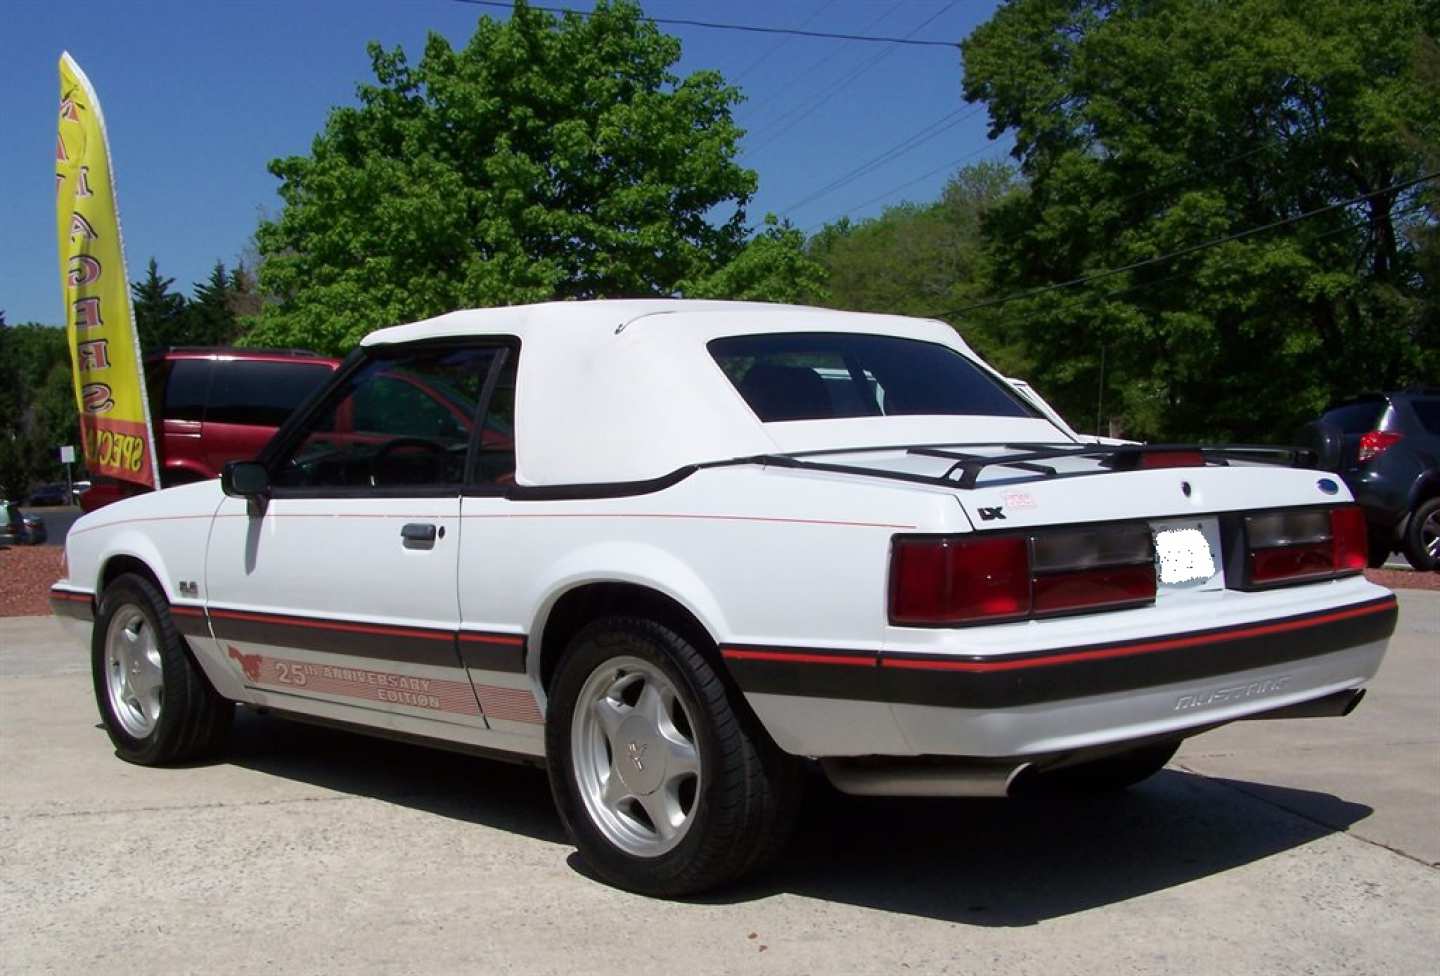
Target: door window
[{"x": 403, "y": 420}]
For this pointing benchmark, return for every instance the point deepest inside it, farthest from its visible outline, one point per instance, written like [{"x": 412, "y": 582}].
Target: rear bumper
[{"x": 829, "y": 703}]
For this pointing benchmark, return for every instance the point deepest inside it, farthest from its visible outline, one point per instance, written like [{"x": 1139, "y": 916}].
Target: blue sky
[{"x": 200, "y": 95}]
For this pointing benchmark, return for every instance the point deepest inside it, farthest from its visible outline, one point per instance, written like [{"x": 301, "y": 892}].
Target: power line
[
  {"x": 1187, "y": 177},
  {"x": 903, "y": 186},
  {"x": 765, "y": 56},
  {"x": 939, "y": 127},
  {"x": 814, "y": 67},
  {"x": 747, "y": 28},
  {"x": 786, "y": 123},
  {"x": 1193, "y": 248}
]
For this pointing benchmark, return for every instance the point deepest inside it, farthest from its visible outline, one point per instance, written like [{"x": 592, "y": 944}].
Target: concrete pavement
[{"x": 1307, "y": 846}]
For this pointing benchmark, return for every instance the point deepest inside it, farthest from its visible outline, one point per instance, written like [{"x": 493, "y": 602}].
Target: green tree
[
  {"x": 209, "y": 316},
  {"x": 1425, "y": 235},
  {"x": 245, "y": 298},
  {"x": 773, "y": 267},
  {"x": 916, "y": 258},
  {"x": 548, "y": 158},
  {"x": 37, "y": 405},
  {"x": 1144, "y": 129},
  {"x": 160, "y": 314},
  {"x": 14, "y": 472}
]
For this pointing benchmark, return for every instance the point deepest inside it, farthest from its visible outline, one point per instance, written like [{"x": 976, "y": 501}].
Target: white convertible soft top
[{"x": 627, "y": 391}]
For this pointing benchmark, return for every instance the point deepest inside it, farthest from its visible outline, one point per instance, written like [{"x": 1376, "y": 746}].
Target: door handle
[{"x": 418, "y": 535}]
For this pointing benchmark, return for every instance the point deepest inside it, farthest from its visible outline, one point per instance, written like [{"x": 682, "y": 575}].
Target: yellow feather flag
[{"x": 99, "y": 320}]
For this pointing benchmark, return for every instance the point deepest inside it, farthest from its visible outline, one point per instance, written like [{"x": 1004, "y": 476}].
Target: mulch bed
[
  {"x": 26, "y": 573},
  {"x": 1404, "y": 579}
]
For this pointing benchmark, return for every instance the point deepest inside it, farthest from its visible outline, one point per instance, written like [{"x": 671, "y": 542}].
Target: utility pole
[
  {"x": 67, "y": 457},
  {"x": 1100, "y": 395}
]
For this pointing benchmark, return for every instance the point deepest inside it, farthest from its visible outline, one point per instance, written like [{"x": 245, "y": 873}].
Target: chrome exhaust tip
[
  {"x": 1337, "y": 705},
  {"x": 936, "y": 777}
]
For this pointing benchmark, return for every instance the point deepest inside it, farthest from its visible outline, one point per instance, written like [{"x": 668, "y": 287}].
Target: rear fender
[{"x": 635, "y": 563}]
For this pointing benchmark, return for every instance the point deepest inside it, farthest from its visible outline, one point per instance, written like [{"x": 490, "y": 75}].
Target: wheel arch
[
  {"x": 1426, "y": 487},
  {"x": 116, "y": 564},
  {"x": 576, "y": 605},
  {"x": 617, "y": 578}
]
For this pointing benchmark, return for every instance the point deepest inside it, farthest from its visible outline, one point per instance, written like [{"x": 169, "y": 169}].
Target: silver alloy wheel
[
  {"x": 134, "y": 677},
  {"x": 1430, "y": 536},
  {"x": 637, "y": 767}
]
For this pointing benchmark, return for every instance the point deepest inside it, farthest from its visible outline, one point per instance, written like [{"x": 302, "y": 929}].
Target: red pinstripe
[
  {"x": 505, "y": 639},
  {"x": 384, "y": 630},
  {"x": 752, "y": 654}
]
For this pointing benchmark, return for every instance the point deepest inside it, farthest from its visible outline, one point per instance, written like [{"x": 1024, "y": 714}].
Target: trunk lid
[{"x": 1071, "y": 484}]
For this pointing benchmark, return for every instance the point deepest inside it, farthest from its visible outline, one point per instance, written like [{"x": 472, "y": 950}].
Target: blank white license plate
[{"x": 1183, "y": 555}]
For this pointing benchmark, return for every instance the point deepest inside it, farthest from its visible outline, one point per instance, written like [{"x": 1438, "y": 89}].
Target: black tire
[
  {"x": 193, "y": 720},
  {"x": 1112, "y": 773},
  {"x": 745, "y": 805},
  {"x": 1421, "y": 532}
]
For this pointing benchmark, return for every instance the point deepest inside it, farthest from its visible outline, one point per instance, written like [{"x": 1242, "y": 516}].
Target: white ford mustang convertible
[{"x": 675, "y": 551}]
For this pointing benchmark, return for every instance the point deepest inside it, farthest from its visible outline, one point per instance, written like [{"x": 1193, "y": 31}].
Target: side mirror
[{"x": 245, "y": 479}]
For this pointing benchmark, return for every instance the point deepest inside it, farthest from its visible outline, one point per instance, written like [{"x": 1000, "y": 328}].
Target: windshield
[{"x": 834, "y": 375}]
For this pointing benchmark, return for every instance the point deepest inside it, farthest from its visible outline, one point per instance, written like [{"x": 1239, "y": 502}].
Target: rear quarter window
[
  {"x": 186, "y": 387},
  {"x": 1356, "y": 418},
  {"x": 261, "y": 394},
  {"x": 1428, "y": 411},
  {"x": 835, "y": 375}
]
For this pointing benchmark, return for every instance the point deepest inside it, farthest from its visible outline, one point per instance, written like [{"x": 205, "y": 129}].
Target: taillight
[
  {"x": 1375, "y": 443},
  {"x": 1349, "y": 544},
  {"x": 937, "y": 581},
  {"x": 1305, "y": 544},
  {"x": 946, "y": 580}
]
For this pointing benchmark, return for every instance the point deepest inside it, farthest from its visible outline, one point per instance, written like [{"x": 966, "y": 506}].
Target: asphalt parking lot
[{"x": 1304, "y": 846}]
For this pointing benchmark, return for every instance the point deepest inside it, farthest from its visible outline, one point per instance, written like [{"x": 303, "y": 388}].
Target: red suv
[{"x": 214, "y": 405}]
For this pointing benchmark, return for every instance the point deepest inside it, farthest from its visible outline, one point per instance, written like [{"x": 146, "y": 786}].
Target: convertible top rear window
[{"x": 833, "y": 375}]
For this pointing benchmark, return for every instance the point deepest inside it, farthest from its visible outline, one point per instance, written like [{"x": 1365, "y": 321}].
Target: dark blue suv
[{"x": 1387, "y": 448}]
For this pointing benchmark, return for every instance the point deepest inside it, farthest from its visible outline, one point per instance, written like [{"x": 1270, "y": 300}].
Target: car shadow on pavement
[
  {"x": 1020, "y": 862},
  {"x": 973, "y": 861},
  {"x": 506, "y": 796}
]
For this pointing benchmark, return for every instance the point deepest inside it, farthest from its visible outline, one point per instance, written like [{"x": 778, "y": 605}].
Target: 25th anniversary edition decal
[{"x": 383, "y": 687}]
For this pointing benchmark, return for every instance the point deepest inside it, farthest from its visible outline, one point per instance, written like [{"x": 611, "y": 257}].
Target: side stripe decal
[
  {"x": 492, "y": 652},
  {"x": 508, "y": 704},
  {"x": 382, "y": 687},
  {"x": 381, "y": 642},
  {"x": 475, "y": 650}
]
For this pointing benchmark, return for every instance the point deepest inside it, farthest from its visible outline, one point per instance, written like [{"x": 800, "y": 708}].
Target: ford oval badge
[{"x": 1328, "y": 486}]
